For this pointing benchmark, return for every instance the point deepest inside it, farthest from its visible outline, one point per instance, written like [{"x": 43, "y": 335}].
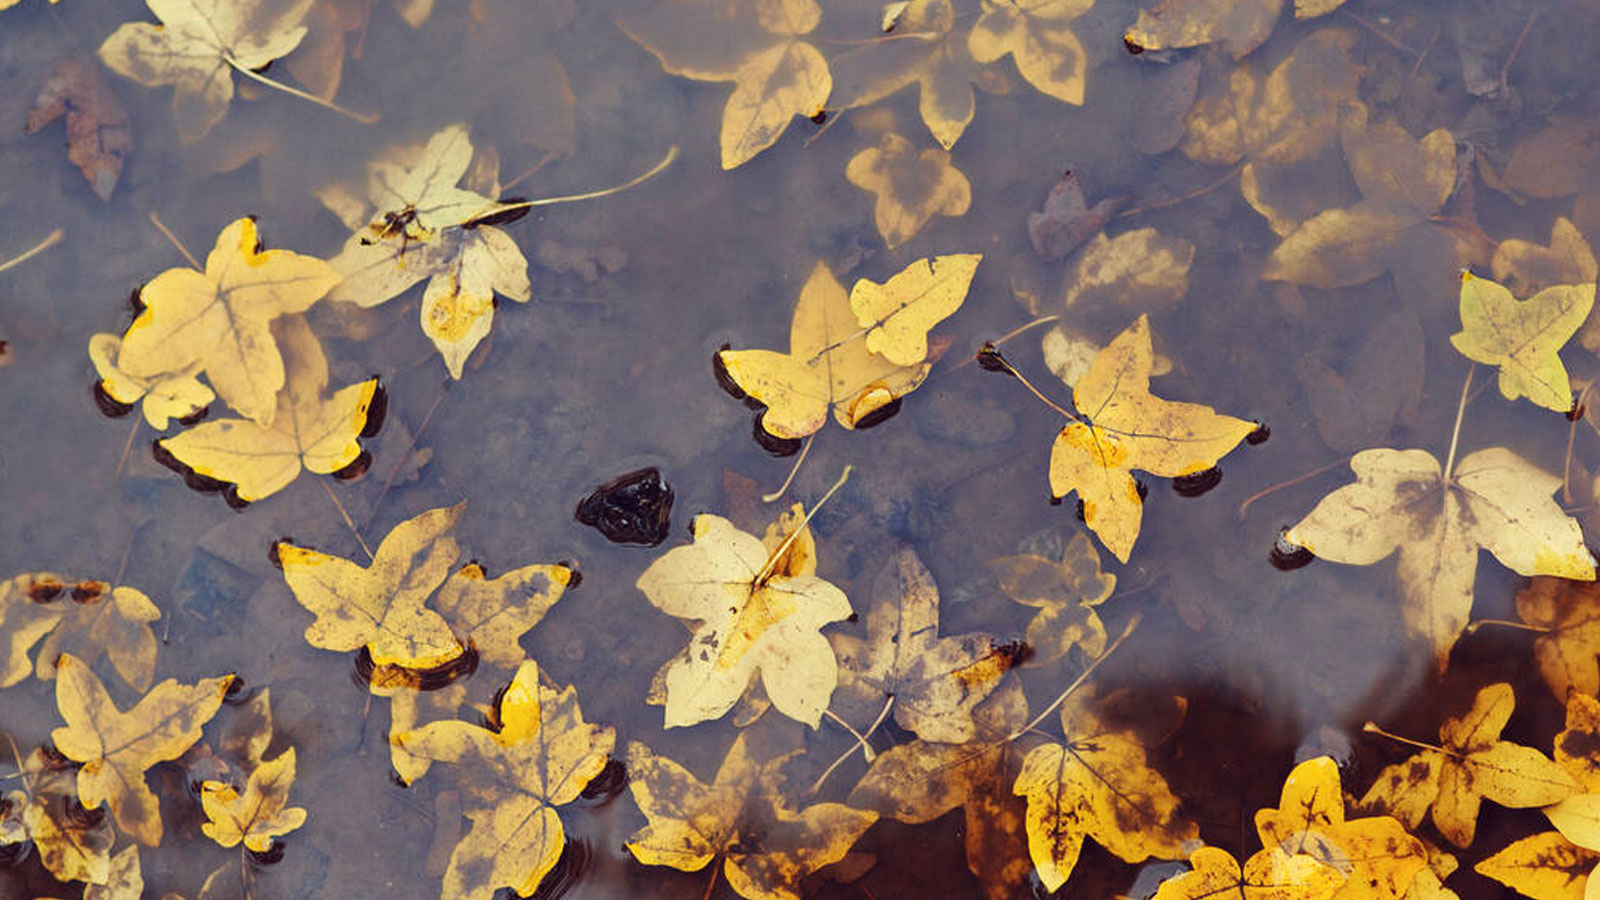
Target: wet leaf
[
  {"x": 258, "y": 815},
  {"x": 898, "y": 313},
  {"x": 1065, "y": 592},
  {"x": 1124, "y": 427},
  {"x": 380, "y": 606},
  {"x": 1555, "y": 160},
  {"x": 1473, "y": 764},
  {"x": 1267, "y": 875},
  {"x": 757, "y": 45},
  {"x": 84, "y": 618},
  {"x": 1038, "y": 36},
  {"x": 927, "y": 50},
  {"x": 410, "y": 709},
  {"x": 542, "y": 756},
  {"x": 71, "y": 847},
  {"x": 99, "y": 135},
  {"x": 766, "y": 845},
  {"x": 1569, "y": 615},
  {"x": 1522, "y": 337},
  {"x": 196, "y": 48},
  {"x": 220, "y": 319},
  {"x": 1139, "y": 269},
  {"x": 310, "y": 431},
  {"x": 1528, "y": 268},
  {"x": 1493, "y": 499},
  {"x": 1239, "y": 25},
  {"x": 1067, "y": 220},
  {"x": 116, "y": 747},
  {"x": 171, "y": 395},
  {"x": 754, "y": 611},
  {"x": 1382, "y": 383},
  {"x": 1545, "y": 866},
  {"x": 934, "y": 681},
  {"x": 910, "y": 188},
  {"x": 125, "y": 881},
  {"x": 492, "y": 614}
]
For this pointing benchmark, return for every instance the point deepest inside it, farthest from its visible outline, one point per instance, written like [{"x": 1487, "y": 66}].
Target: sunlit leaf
[
  {"x": 170, "y": 395},
  {"x": 1522, "y": 337},
  {"x": 258, "y": 815}
]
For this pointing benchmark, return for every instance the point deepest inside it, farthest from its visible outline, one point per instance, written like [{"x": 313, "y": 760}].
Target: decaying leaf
[
  {"x": 258, "y": 815},
  {"x": 170, "y": 395},
  {"x": 756, "y": 44},
  {"x": 72, "y": 847},
  {"x": 1238, "y": 25},
  {"x": 381, "y": 606},
  {"x": 99, "y": 135},
  {"x": 1038, "y": 35},
  {"x": 929, "y": 51},
  {"x": 1545, "y": 866},
  {"x": 1065, "y": 593},
  {"x": 1472, "y": 764},
  {"x": 1554, "y": 161},
  {"x": 116, "y": 747},
  {"x": 765, "y": 844},
  {"x": 1125, "y": 427},
  {"x": 1139, "y": 269},
  {"x": 1568, "y": 612},
  {"x": 832, "y": 363},
  {"x": 541, "y": 756},
  {"x": 1267, "y": 875},
  {"x": 911, "y": 188},
  {"x": 934, "y": 682},
  {"x": 310, "y": 431},
  {"x": 196, "y": 48},
  {"x": 83, "y": 618},
  {"x": 1066, "y": 219},
  {"x": 1493, "y": 499},
  {"x": 1527, "y": 268},
  {"x": 220, "y": 318},
  {"x": 757, "y": 605},
  {"x": 492, "y": 614},
  {"x": 1380, "y": 384},
  {"x": 1522, "y": 337}
]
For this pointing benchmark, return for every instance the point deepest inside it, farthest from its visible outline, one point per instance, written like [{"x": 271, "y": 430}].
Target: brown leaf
[
  {"x": 1066, "y": 219},
  {"x": 99, "y": 135},
  {"x": 1384, "y": 383}
]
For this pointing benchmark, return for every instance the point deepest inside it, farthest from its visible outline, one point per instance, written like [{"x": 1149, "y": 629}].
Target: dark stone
[{"x": 635, "y": 508}]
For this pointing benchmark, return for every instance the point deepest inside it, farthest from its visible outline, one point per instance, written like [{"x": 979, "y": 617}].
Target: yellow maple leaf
[
  {"x": 1096, "y": 784},
  {"x": 757, "y": 45},
  {"x": 198, "y": 46},
  {"x": 116, "y": 747},
  {"x": 542, "y": 756},
  {"x": 1471, "y": 764},
  {"x": 1545, "y": 866},
  {"x": 1037, "y": 34},
  {"x": 766, "y": 846},
  {"x": 220, "y": 318},
  {"x": 758, "y": 606},
  {"x": 1376, "y": 856},
  {"x": 84, "y": 618},
  {"x": 414, "y": 226},
  {"x": 1065, "y": 592},
  {"x": 259, "y": 814},
  {"x": 830, "y": 365},
  {"x": 310, "y": 431},
  {"x": 170, "y": 395},
  {"x": 1124, "y": 427},
  {"x": 1401, "y": 500},
  {"x": 928, "y": 51},
  {"x": 911, "y": 188},
  {"x": 493, "y": 613},
  {"x": 1522, "y": 337},
  {"x": 1267, "y": 875},
  {"x": 381, "y": 606},
  {"x": 72, "y": 847}
]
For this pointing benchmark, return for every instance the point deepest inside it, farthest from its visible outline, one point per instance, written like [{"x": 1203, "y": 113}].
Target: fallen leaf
[
  {"x": 1493, "y": 499},
  {"x": 542, "y": 755},
  {"x": 1267, "y": 875},
  {"x": 1239, "y": 25},
  {"x": 1545, "y": 866},
  {"x": 934, "y": 682},
  {"x": 757, "y": 45},
  {"x": 410, "y": 709},
  {"x": 221, "y": 318},
  {"x": 1528, "y": 268},
  {"x": 1139, "y": 270},
  {"x": 1166, "y": 94},
  {"x": 71, "y": 845},
  {"x": 910, "y": 188},
  {"x": 492, "y": 614},
  {"x": 311, "y": 430},
  {"x": 1472, "y": 764},
  {"x": 171, "y": 395},
  {"x": 1555, "y": 160},
  {"x": 116, "y": 747},
  {"x": 758, "y": 606},
  {"x": 1522, "y": 337},
  {"x": 1066, "y": 220},
  {"x": 332, "y": 27},
  {"x": 1038, "y": 36},
  {"x": 1124, "y": 427},
  {"x": 898, "y": 313},
  {"x": 765, "y": 844},
  {"x": 1382, "y": 383},
  {"x": 196, "y": 48},
  {"x": 125, "y": 881},
  {"x": 1569, "y": 617},
  {"x": 84, "y": 618},
  {"x": 928, "y": 51},
  {"x": 381, "y": 606},
  {"x": 258, "y": 815},
  {"x": 99, "y": 134},
  {"x": 1065, "y": 592}
]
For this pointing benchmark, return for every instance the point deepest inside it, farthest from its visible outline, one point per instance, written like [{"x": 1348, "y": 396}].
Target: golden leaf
[
  {"x": 753, "y": 613},
  {"x": 220, "y": 318},
  {"x": 911, "y": 188},
  {"x": 928, "y": 51},
  {"x": 492, "y": 614},
  {"x": 116, "y": 747},
  {"x": 1493, "y": 499},
  {"x": 766, "y": 845},
  {"x": 1545, "y": 866},
  {"x": 1522, "y": 337},
  {"x": 410, "y": 709},
  {"x": 1037, "y": 35},
  {"x": 258, "y": 815},
  {"x": 898, "y": 313},
  {"x": 1065, "y": 593},
  {"x": 196, "y": 48},
  {"x": 71, "y": 847},
  {"x": 310, "y": 431},
  {"x": 1125, "y": 427},
  {"x": 1528, "y": 268},
  {"x": 170, "y": 395},
  {"x": 381, "y": 606},
  {"x": 1239, "y": 25},
  {"x": 1267, "y": 875},
  {"x": 84, "y": 618},
  {"x": 934, "y": 681},
  {"x": 125, "y": 880},
  {"x": 542, "y": 756},
  {"x": 1577, "y": 747}
]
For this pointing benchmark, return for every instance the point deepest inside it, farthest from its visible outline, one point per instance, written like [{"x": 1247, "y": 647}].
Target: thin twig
[
  {"x": 348, "y": 522},
  {"x": 793, "y": 471},
  {"x": 1505, "y": 623},
  {"x": 52, "y": 239},
  {"x": 394, "y": 473},
  {"x": 1174, "y": 201},
  {"x": 1455, "y": 433},
  {"x": 1304, "y": 476},
  {"x": 777, "y": 553},
  {"x": 1077, "y": 682},
  {"x": 127, "y": 448},
  {"x": 655, "y": 170},
  {"x": 529, "y": 172},
  {"x": 1505, "y": 70},
  {"x": 162, "y": 227}
]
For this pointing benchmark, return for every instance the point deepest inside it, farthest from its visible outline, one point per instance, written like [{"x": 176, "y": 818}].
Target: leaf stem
[
  {"x": 51, "y": 239},
  {"x": 1304, "y": 476},
  {"x": 348, "y": 522},
  {"x": 867, "y": 752},
  {"x": 364, "y": 118},
  {"x": 1372, "y": 728},
  {"x": 162, "y": 227},
  {"x": 793, "y": 471},
  {"x": 777, "y": 554},
  {"x": 1012, "y": 371},
  {"x": 1505, "y": 623},
  {"x": 655, "y": 170},
  {"x": 1455, "y": 433},
  {"x": 1077, "y": 682}
]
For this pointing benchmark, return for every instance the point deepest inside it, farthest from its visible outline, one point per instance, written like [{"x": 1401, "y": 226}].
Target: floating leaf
[
  {"x": 1268, "y": 875},
  {"x": 898, "y": 313},
  {"x": 83, "y": 618},
  {"x": 170, "y": 395},
  {"x": 259, "y": 814},
  {"x": 1522, "y": 337},
  {"x": 910, "y": 188},
  {"x": 1568, "y": 614},
  {"x": 928, "y": 51},
  {"x": 1545, "y": 866},
  {"x": 1238, "y": 25},
  {"x": 492, "y": 614}
]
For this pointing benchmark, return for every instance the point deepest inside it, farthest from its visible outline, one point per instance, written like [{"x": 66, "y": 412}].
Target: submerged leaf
[
  {"x": 911, "y": 188},
  {"x": 1037, "y": 34}
]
